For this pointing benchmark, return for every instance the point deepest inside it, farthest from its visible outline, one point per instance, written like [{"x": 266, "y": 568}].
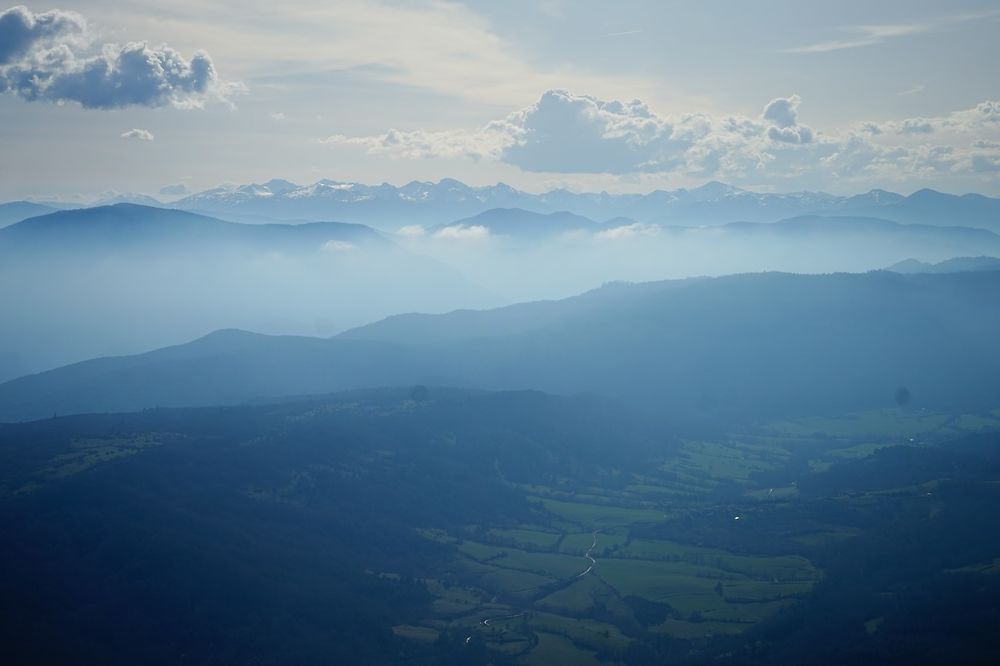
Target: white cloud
[
  {"x": 338, "y": 246},
  {"x": 138, "y": 135},
  {"x": 565, "y": 133},
  {"x": 46, "y": 57},
  {"x": 412, "y": 231},
  {"x": 561, "y": 133},
  {"x": 627, "y": 231},
  {"x": 463, "y": 232}
]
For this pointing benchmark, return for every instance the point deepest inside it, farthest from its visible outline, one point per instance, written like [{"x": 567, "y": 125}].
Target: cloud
[
  {"x": 488, "y": 142},
  {"x": 138, "y": 134},
  {"x": 869, "y": 35},
  {"x": 278, "y": 116},
  {"x": 566, "y": 133},
  {"x": 21, "y": 31},
  {"x": 463, "y": 232},
  {"x": 561, "y": 133},
  {"x": 783, "y": 113},
  {"x": 175, "y": 190},
  {"x": 916, "y": 126},
  {"x": 984, "y": 117},
  {"x": 911, "y": 91},
  {"x": 412, "y": 231},
  {"x": 48, "y": 63},
  {"x": 986, "y": 163},
  {"x": 871, "y": 128},
  {"x": 627, "y": 231},
  {"x": 338, "y": 246}
]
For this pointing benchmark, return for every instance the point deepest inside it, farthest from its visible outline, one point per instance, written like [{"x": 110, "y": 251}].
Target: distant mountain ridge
[
  {"x": 134, "y": 224},
  {"x": 756, "y": 345},
  {"x": 389, "y": 207},
  {"x": 80, "y": 283},
  {"x": 16, "y": 211},
  {"x": 955, "y": 265},
  {"x": 429, "y": 203}
]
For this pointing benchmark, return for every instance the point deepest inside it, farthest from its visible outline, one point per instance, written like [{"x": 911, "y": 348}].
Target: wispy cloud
[
  {"x": 624, "y": 33},
  {"x": 871, "y": 34},
  {"x": 912, "y": 91}
]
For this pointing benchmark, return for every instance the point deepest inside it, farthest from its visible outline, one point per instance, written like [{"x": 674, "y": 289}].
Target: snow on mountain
[{"x": 390, "y": 207}]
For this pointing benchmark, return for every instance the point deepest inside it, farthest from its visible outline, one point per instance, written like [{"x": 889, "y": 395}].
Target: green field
[
  {"x": 526, "y": 538},
  {"x": 554, "y": 565},
  {"x": 703, "y": 591},
  {"x": 597, "y": 516},
  {"x": 554, "y": 649}
]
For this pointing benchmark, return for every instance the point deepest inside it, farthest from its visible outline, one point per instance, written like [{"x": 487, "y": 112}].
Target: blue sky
[{"x": 625, "y": 96}]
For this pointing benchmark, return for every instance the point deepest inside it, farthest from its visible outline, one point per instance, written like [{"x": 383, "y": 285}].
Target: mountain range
[
  {"x": 390, "y": 207},
  {"x": 81, "y": 283},
  {"x": 700, "y": 350}
]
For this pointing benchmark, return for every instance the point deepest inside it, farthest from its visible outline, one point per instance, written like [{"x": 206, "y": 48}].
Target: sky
[{"x": 167, "y": 98}]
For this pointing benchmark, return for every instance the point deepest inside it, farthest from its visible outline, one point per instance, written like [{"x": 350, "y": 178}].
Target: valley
[{"x": 681, "y": 546}]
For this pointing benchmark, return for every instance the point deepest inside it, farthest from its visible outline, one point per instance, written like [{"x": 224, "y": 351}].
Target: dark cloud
[
  {"x": 21, "y": 30},
  {"x": 782, "y": 111},
  {"x": 783, "y": 115},
  {"x": 916, "y": 126},
  {"x": 47, "y": 68}
]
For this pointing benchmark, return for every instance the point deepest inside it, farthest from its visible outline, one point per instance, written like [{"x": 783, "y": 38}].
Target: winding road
[
  {"x": 589, "y": 556},
  {"x": 485, "y": 622}
]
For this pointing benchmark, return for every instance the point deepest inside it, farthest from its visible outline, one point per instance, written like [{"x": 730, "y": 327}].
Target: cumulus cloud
[
  {"x": 783, "y": 114},
  {"x": 580, "y": 134},
  {"x": 566, "y": 133},
  {"x": 783, "y": 111},
  {"x": 561, "y": 133},
  {"x": 21, "y": 31},
  {"x": 48, "y": 62},
  {"x": 138, "y": 134},
  {"x": 916, "y": 126}
]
